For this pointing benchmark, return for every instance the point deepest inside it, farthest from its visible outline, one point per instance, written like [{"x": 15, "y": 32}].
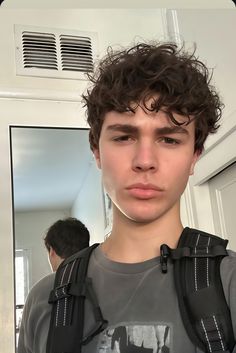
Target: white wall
[
  {"x": 214, "y": 33},
  {"x": 83, "y": 207},
  {"x": 113, "y": 27},
  {"x": 30, "y": 229}
]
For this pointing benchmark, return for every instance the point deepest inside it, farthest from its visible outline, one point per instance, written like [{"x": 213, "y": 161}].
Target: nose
[{"x": 145, "y": 158}]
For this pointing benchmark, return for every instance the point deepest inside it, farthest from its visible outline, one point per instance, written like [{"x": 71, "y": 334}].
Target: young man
[
  {"x": 150, "y": 110},
  {"x": 63, "y": 239}
]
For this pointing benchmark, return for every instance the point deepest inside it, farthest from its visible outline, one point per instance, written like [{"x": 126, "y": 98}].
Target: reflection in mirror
[{"x": 54, "y": 176}]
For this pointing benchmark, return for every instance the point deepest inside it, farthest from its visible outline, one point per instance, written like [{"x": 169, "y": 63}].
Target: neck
[
  {"x": 58, "y": 261},
  {"x": 132, "y": 242}
]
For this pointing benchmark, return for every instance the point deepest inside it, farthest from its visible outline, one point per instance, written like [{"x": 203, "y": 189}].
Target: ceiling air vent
[
  {"x": 39, "y": 50},
  {"x": 76, "y": 53},
  {"x": 45, "y": 52}
]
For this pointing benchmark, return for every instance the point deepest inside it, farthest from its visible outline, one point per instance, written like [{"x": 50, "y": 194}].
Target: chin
[
  {"x": 146, "y": 215},
  {"x": 142, "y": 218},
  {"x": 147, "y": 212}
]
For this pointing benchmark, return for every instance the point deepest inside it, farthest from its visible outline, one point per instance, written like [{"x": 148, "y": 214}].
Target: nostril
[{"x": 144, "y": 167}]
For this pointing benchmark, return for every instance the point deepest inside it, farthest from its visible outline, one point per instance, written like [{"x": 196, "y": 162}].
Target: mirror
[{"x": 54, "y": 176}]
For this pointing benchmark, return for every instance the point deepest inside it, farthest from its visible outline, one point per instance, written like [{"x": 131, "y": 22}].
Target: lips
[{"x": 144, "y": 191}]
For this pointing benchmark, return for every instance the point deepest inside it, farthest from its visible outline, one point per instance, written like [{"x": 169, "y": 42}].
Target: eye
[
  {"x": 123, "y": 138},
  {"x": 170, "y": 141}
]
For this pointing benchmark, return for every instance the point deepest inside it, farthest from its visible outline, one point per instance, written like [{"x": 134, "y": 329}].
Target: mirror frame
[{"x": 40, "y": 113}]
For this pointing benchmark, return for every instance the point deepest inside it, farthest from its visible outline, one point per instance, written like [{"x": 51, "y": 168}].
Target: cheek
[
  {"x": 110, "y": 168},
  {"x": 180, "y": 171}
]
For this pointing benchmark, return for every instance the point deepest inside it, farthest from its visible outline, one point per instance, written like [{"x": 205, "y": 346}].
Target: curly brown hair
[{"x": 179, "y": 80}]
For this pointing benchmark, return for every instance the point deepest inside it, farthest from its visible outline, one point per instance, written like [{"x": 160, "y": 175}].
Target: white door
[{"x": 223, "y": 199}]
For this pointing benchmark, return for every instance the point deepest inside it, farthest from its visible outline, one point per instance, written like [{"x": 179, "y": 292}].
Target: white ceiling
[
  {"x": 50, "y": 164},
  {"x": 174, "y": 4}
]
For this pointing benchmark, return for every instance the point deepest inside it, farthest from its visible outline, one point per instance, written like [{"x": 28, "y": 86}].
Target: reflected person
[{"x": 63, "y": 239}]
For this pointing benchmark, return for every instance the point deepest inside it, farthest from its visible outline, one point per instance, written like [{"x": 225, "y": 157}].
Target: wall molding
[
  {"x": 39, "y": 94},
  {"x": 190, "y": 207}
]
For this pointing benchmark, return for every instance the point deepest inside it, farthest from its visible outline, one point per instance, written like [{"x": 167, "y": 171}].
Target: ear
[
  {"x": 196, "y": 156},
  {"x": 97, "y": 157},
  {"x": 51, "y": 252}
]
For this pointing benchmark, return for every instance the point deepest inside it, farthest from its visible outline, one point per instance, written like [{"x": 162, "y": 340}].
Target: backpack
[{"x": 203, "y": 308}]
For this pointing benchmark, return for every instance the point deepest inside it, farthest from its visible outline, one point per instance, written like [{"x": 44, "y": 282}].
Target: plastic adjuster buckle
[{"x": 60, "y": 292}]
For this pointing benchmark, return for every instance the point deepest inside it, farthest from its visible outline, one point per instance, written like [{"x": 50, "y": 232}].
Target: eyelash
[
  {"x": 122, "y": 138},
  {"x": 166, "y": 140},
  {"x": 170, "y": 141}
]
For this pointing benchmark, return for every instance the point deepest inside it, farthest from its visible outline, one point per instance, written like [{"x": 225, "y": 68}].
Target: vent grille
[
  {"x": 76, "y": 53},
  {"x": 53, "y": 53},
  {"x": 39, "y": 50}
]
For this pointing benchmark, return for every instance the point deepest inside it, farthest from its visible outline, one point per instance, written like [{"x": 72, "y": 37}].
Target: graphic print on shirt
[{"x": 141, "y": 338}]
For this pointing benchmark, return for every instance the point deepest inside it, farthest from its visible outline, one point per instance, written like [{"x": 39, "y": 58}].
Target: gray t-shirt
[
  {"x": 138, "y": 300},
  {"x": 36, "y": 317},
  {"x": 141, "y": 306}
]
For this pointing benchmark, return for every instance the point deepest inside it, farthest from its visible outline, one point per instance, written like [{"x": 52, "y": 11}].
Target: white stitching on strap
[
  {"x": 195, "y": 264},
  {"x": 58, "y": 302},
  {"x": 204, "y": 329},
  {"x": 62, "y": 277},
  {"x": 208, "y": 244},
  {"x": 66, "y": 301},
  {"x": 65, "y": 309},
  {"x": 57, "y": 309},
  {"x": 218, "y": 331},
  {"x": 71, "y": 270}
]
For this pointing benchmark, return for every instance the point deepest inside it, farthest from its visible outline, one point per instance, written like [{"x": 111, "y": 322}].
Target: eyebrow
[{"x": 166, "y": 130}]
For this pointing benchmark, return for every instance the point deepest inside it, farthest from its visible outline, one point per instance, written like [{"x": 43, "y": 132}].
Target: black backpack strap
[
  {"x": 202, "y": 302},
  {"x": 71, "y": 287}
]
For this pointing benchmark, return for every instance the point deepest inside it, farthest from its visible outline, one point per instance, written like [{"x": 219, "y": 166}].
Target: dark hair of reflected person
[
  {"x": 67, "y": 236},
  {"x": 175, "y": 80}
]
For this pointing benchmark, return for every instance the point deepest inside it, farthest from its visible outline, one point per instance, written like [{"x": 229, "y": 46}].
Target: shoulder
[
  {"x": 228, "y": 264},
  {"x": 228, "y": 274},
  {"x": 36, "y": 317},
  {"x": 42, "y": 288},
  {"x": 45, "y": 282},
  {"x": 37, "y": 299}
]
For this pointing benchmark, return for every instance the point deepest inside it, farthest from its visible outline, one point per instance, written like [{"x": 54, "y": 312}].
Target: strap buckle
[
  {"x": 165, "y": 253},
  {"x": 59, "y": 292}
]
